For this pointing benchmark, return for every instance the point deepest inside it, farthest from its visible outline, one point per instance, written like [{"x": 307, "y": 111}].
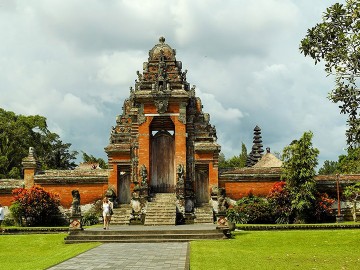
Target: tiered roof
[{"x": 257, "y": 150}]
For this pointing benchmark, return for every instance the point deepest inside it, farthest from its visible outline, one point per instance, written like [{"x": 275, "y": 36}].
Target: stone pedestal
[
  {"x": 137, "y": 218},
  {"x": 189, "y": 218},
  {"x": 339, "y": 218},
  {"x": 223, "y": 224},
  {"x": 76, "y": 223}
]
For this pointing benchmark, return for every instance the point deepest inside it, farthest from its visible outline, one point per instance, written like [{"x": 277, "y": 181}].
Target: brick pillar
[
  {"x": 30, "y": 165},
  {"x": 180, "y": 142},
  {"x": 113, "y": 177},
  {"x": 144, "y": 147},
  {"x": 213, "y": 176}
]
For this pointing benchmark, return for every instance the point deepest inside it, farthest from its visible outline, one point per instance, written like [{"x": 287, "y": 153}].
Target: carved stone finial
[
  {"x": 31, "y": 151},
  {"x": 162, "y": 40},
  {"x": 143, "y": 174}
]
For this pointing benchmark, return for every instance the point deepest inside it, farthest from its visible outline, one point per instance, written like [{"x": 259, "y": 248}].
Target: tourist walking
[
  {"x": 2, "y": 214},
  {"x": 107, "y": 212}
]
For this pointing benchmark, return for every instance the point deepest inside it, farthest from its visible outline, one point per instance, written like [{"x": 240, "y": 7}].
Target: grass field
[
  {"x": 292, "y": 249},
  {"x": 37, "y": 251},
  {"x": 300, "y": 249}
]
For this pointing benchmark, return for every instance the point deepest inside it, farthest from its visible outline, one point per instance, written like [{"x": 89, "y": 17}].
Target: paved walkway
[{"x": 144, "y": 256}]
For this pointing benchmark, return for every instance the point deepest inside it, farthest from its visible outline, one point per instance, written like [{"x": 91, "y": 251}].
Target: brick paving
[{"x": 145, "y": 256}]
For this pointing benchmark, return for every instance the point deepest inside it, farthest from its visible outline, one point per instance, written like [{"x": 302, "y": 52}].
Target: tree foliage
[
  {"x": 35, "y": 205},
  {"x": 253, "y": 210},
  {"x": 352, "y": 193},
  {"x": 336, "y": 41},
  {"x": 91, "y": 159},
  {"x": 236, "y": 161},
  {"x": 329, "y": 167},
  {"x": 346, "y": 164},
  {"x": 349, "y": 163},
  {"x": 19, "y": 132},
  {"x": 298, "y": 170}
]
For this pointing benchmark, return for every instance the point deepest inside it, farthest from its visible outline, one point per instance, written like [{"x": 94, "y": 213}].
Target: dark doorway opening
[{"x": 162, "y": 155}]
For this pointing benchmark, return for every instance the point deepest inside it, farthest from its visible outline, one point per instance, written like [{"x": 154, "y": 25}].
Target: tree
[
  {"x": 298, "y": 170},
  {"x": 349, "y": 163},
  {"x": 235, "y": 161},
  {"x": 92, "y": 159},
  {"x": 346, "y": 164},
  {"x": 18, "y": 133},
  {"x": 222, "y": 160},
  {"x": 352, "y": 193},
  {"x": 329, "y": 167},
  {"x": 243, "y": 156},
  {"x": 59, "y": 155},
  {"x": 336, "y": 40}
]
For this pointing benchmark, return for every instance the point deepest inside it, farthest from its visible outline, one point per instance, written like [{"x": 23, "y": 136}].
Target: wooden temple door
[
  {"x": 124, "y": 184},
  {"x": 202, "y": 183},
  {"x": 162, "y": 162}
]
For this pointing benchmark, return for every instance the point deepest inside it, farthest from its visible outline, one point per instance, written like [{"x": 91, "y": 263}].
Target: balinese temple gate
[{"x": 163, "y": 143}]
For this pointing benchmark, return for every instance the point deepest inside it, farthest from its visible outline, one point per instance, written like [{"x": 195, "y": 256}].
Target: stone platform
[{"x": 145, "y": 234}]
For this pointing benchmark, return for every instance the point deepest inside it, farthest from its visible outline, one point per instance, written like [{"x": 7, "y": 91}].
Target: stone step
[
  {"x": 121, "y": 215},
  {"x": 204, "y": 214},
  {"x": 162, "y": 210},
  {"x": 142, "y": 236}
]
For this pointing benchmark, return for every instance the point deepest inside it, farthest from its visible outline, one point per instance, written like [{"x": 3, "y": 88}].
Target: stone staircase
[
  {"x": 204, "y": 214},
  {"x": 142, "y": 234},
  {"x": 121, "y": 215},
  {"x": 162, "y": 210}
]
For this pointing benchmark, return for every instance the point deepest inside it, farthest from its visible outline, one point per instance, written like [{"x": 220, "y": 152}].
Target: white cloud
[
  {"x": 74, "y": 63},
  {"x": 117, "y": 67}
]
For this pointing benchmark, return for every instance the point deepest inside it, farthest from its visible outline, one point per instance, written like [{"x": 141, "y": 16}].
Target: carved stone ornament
[
  {"x": 182, "y": 116},
  {"x": 141, "y": 116},
  {"x": 161, "y": 105}
]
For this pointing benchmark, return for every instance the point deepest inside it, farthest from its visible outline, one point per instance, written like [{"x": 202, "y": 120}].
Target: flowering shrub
[
  {"x": 35, "y": 206},
  {"x": 323, "y": 207},
  {"x": 280, "y": 203},
  {"x": 253, "y": 209}
]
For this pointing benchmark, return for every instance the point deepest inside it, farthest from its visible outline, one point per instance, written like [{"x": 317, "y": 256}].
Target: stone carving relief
[{"x": 161, "y": 105}]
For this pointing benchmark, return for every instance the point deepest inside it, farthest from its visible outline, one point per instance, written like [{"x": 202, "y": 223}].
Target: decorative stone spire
[
  {"x": 31, "y": 166},
  {"x": 257, "y": 150}
]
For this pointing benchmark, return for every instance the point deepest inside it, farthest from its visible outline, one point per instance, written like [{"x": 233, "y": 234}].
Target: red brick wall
[
  {"x": 6, "y": 198},
  {"x": 237, "y": 190},
  {"x": 88, "y": 193}
]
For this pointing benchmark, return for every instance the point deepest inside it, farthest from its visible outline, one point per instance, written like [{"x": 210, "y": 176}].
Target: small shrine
[{"x": 163, "y": 142}]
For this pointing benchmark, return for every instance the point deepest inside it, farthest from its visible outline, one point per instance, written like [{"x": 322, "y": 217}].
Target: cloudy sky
[{"x": 74, "y": 61}]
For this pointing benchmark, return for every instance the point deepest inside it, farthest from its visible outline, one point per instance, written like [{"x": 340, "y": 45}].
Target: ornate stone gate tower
[{"x": 163, "y": 142}]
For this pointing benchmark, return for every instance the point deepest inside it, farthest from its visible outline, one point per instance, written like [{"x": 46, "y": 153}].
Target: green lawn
[
  {"x": 37, "y": 251},
  {"x": 300, "y": 249},
  {"x": 293, "y": 249}
]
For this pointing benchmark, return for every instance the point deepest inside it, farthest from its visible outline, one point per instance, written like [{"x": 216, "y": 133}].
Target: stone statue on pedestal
[{"x": 75, "y": 218}]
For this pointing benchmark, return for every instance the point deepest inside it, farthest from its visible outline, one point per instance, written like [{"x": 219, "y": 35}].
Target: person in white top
[
  {"x": 107, "y": 210},
  {"x": 2, "y": 214}
]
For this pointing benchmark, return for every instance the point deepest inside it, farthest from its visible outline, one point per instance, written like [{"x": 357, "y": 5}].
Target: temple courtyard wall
[{"x": 93, "y": 184}]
